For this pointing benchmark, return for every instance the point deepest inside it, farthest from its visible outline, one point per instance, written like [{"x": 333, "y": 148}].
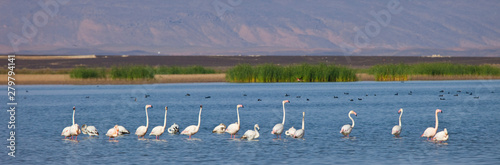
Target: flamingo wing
[
  {"x": 299, "y": 133},
  {"x": 65, "y": 132},
  {"x": 429, "y": 132},
  {"x": 346, "y": 129},
  {"x": 141, "y": 131},
  {"x": 277, "y": 129},
  {"x": 250, "y": 134},
  {"x": 122, "y": 130},
  {"x": 157, "y": 131},
  {"x": 92, "y": 131},
  {"x": 190, "y": 130},
  {"x": 232, "y": 129},
  {"x": 396, "y": 130}
]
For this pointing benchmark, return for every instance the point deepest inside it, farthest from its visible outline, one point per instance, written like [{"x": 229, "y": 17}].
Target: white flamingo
[
  {"x": 300, "y": 133},
  {"x": 193, "y": 129},
  {"x": 346, "y": 129},
  {"x": 252, "y": 134},
  {"x": 232, "y": 129},
  {"x": 221, "y": 128},
  {"x": 158, "y": 130},
  {"x": 122, "y": 130},
  {"x": 66, "y": 130},
  {"x": 113, "y": 132},
  {"x": 74, "y": 130},
  {"x": 278, "y": 128},
  {"x": 430, "y": 132},
  {"x": 142, "y": 130},
  {"x": 441, "y": 136},
  {"x": 173, "y": 129},
  {"x": 396, "y": 130},
  {"x": 90, "y": 130},
  {"x": 290, "y": 131}
]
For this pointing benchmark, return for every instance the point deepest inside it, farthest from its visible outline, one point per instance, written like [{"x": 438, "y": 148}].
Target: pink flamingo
[
  {"x": 142, "y": 130},
  {"x": 396, "y": 130},
  {"x": 158, "y": 130},
  {"x": 278, "y": 128},
  {"x": 430, "y": 132},
  {"x": 113, "y": 132},
  {"x": 232, "y": 129},
  {"x": 193, "y": 129},
  {"x": 346, "y": 129}
]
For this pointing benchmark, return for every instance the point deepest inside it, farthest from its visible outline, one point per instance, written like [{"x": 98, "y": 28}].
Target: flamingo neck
[
  {"x": 283, "y": 123},
  {"x": 199, "y": 120},
  {"x": 256, "y": 132},
  {"x": 147, "y": 118},
  {"x": 351, "y": 120},
  {"x": 73, "y": 117},
  {"x": 238, "y": 114},
  {"x": 165, "y": 121},
  {"x": 437, "y": 122},
  {"x": 400, "y": 118},
  {"x": 303, "y": 116}
]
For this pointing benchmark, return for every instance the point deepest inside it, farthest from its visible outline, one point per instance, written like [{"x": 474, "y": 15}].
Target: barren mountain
[{"x": 228, "y": 27}]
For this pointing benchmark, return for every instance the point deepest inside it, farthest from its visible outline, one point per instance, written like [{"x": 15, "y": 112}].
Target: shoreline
[{"x": 64, "y": 79}]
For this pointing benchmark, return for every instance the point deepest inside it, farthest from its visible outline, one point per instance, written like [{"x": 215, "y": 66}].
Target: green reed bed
[
  {"x": 183, "y": 70},
  {"x": 400, "y": 72},
  {"x": 83, "y": 72},
  {"x": 132, "y": 72},
  {"x": 136, "y": 71},
  {"x": 292, "y": 73}
]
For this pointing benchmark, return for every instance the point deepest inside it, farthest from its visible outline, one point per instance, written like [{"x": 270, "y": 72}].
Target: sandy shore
[{"x": 33, "y": 79}]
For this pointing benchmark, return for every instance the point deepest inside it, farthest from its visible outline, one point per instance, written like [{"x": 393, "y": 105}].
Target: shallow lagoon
[{"x": 473, "y": 124}]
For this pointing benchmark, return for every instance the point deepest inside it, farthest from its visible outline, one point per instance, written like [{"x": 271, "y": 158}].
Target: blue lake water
[{"x": 473, "y": 124}]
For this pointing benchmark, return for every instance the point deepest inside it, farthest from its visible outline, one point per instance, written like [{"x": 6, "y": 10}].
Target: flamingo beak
[{"x": 355, "y": 114}]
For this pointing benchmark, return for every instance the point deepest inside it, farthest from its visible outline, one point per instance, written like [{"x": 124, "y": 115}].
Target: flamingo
[
  {"x": 219, "y": 129},
  {"x": 173, "y": 129},
  {"x": 158, "y": 130},
  {"x": 193, "y": 129},
  {"x": 66, "y": 130},
  {"x": 74, "y": 130},
  {"x": 441, "y": 136},
  {"x": 113, "y": 132},
  {"x": 396, "y": 130},
  {"x": 300, "y": 133},
  {"x": 122, "y": 130},
  {"x": 430, "y": 132},
  {"x": 91, "y": 130},
  {"x": 232, "y": 129},
  {"x": 290, "y": 132},
  {"x": 278, "y": 128},
  {"x": 142, "y": 130},
  {"x": 252, "y": 134},
  {"x": 346, "y": 129}
]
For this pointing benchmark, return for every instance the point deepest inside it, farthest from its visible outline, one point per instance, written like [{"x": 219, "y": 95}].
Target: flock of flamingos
[{"x": 74, "y": 130}]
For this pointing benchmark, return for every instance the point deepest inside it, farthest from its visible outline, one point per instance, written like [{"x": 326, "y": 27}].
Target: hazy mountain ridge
[{"x": 255, "y": 27}]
